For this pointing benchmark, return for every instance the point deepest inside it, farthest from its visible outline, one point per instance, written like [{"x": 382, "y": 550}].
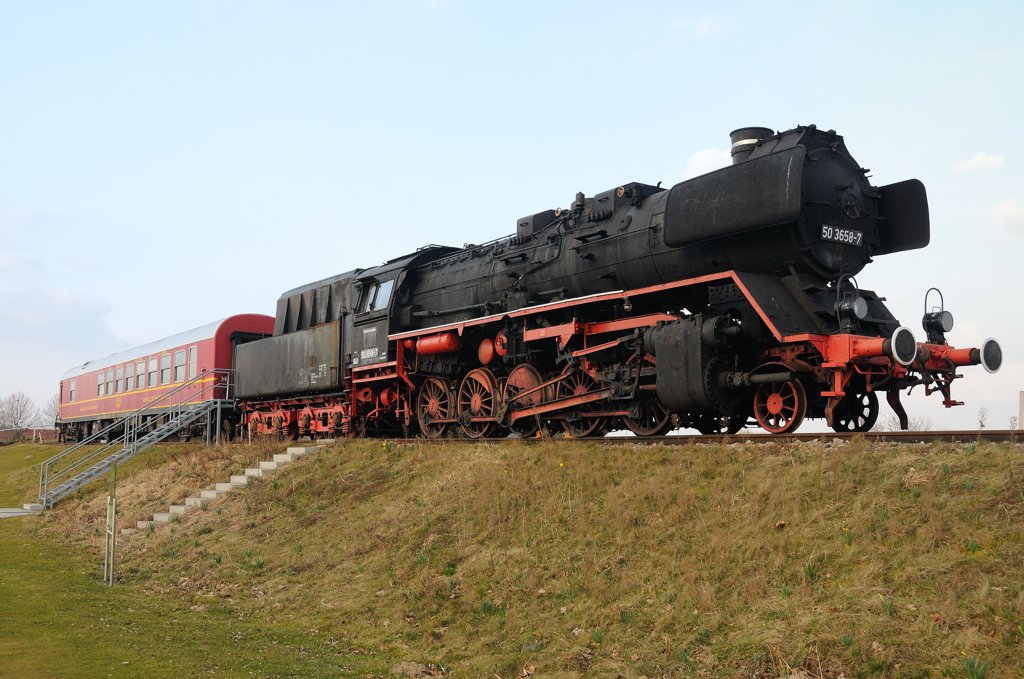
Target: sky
[{"x": 163, "y": 165}]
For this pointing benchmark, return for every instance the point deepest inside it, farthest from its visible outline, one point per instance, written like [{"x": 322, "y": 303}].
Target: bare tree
[
  {"x": 982, "y": 417},
  {"x": 914, "y": 423},
  {"x": 17, "y": 411},
  {"x": 49, "y": 413},
  {"x": 1013, "y": 423}
]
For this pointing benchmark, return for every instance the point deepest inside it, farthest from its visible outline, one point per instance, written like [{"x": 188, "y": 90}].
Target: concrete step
[
  {"x": 195, "y": 502},
  {"x": 285, "y": 458},
  {"x": 32, "y": 507},
  {"x": 179, "y": 509},
  {"x": 303, "y": 450},
  {"x": 269, "y": 465},
  {"x": 239, "y": 481},
  {"x": 256, "y": 473},
  {"x": 162, "y": 517},
  {"x": 144, "y": 525},
  {"x": 127, "y": 531},
  {"x": 210, "y": 494},
  {"x": 225, "y": 487}
]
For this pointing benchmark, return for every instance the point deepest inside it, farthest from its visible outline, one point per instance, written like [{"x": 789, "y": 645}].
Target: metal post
[
  {"x": 110, "y": 535},
  {"x": 110, "y": 541},
  {"x": 220, "y": 424}
]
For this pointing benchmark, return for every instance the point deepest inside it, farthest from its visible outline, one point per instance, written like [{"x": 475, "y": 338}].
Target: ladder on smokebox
[{"x": 128, "y": 436}]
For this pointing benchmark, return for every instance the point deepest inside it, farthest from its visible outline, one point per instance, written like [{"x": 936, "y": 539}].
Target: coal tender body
[{"x": 728, "y": 300}]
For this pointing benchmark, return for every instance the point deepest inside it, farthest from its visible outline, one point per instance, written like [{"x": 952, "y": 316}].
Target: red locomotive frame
[{"x": 395, "y": 392}]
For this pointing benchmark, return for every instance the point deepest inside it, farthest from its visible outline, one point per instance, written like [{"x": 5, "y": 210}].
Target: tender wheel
[
  {"x": 855, "y": 412},
  {"x": 780, "y": 408},
  {"x": 654, "y": 419},
  {"x": 477, "y": 398},
  {"x": 577, "y": 384},
  {"x": 434, "y": 402},
  {"x": 523, "y": 378}
]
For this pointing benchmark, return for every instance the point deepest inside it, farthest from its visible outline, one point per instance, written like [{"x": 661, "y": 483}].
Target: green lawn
[
  {"x": 19, "y": 472},
  {"x": 58, "y": 620}
]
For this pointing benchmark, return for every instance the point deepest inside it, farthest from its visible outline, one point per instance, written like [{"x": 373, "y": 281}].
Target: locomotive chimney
[{"x": 744, "y": 140}]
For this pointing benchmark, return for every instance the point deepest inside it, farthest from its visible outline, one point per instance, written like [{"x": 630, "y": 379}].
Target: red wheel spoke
[{"x": 780, "y": 407}]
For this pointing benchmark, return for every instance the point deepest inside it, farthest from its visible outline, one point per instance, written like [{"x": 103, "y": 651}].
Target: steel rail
[{"x": 957, "y": 436}]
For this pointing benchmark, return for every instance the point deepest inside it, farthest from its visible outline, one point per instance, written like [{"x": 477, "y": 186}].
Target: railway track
[{"x": 962, "y": 436}]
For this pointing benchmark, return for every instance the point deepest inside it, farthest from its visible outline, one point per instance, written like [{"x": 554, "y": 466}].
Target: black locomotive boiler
[{"x": 725, "y": 301}]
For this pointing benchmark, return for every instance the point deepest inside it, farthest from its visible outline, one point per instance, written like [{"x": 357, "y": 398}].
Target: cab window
[
  {"x": 383, "y": 295},
  {"x": 376, "y": 296}
]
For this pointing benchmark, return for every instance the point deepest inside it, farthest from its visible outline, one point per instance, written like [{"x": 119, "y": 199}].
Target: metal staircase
[{"x": 201, "y": 397}]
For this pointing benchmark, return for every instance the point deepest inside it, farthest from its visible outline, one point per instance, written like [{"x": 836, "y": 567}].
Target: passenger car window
[
  {"x": 152, "y": 371},
  {"x": 165, "y": 369},
  {"x": 140, "y": 375},
  {"x": 119, "y": 380},
  {"x": 193, "y": 361},
  {"x": 129, "y": 377},
  {"x": 179, "y": 366},
  {"x": 72, "y": 394}
]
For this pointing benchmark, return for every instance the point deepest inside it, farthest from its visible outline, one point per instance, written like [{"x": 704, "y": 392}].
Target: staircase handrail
[{"x": 129, "y": 435}]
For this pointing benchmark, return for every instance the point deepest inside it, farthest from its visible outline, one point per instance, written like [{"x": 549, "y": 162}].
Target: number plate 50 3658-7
[{"x": 838, "y": 235}]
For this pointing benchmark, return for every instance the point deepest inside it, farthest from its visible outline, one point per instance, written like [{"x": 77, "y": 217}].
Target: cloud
[
  {"x": 38, "y": 317},
  {"x": 702, "y": 27},
  {"x": 1008, "y": 216},
  {"x": 706, "y": 160},
  {"x": 981, "y": 161},
  {"x": 46, "y": 333}
]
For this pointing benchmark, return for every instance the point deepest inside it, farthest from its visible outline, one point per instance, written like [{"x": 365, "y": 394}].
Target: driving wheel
[
  {"x": 434, "y": 402},
  {"x": 654, "y": 419},
  {"x": 477, "y": 398},
  {"x": 580, "y": 424}
]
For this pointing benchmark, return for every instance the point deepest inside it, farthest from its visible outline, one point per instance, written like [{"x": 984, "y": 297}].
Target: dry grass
[
  {"x": 150, "y": 482},
  {"x": 747, "y": 560}
]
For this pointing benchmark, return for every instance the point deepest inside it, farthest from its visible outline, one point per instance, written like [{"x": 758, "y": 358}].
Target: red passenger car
[{"x": 98, "y": 392}]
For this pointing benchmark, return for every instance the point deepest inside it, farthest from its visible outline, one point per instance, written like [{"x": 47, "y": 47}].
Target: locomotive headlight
[
  {"x": 936, "y": 324},
  {"x": 856, "y": 307}
]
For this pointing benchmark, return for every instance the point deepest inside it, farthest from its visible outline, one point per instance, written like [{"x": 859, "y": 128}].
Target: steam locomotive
[{"x": 725, "y": 301}]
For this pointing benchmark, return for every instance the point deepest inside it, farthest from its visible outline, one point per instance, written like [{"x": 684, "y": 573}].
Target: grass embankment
[
  {"x": 759, "y": 560},
  {"x": 618, "y": 560}
]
